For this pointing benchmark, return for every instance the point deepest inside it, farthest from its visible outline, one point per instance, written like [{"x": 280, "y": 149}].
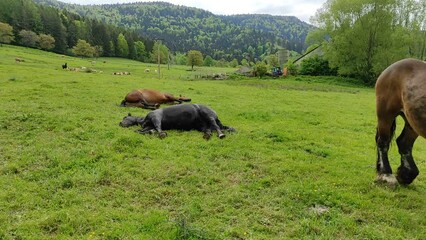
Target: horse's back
[{"x": 147, "y": 95}]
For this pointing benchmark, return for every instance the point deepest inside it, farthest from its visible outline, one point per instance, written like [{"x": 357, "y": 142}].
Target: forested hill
[{"x": 186, "y": 28}]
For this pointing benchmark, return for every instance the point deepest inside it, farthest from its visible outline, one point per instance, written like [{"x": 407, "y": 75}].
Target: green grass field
[{"x": 300, "y": 166}]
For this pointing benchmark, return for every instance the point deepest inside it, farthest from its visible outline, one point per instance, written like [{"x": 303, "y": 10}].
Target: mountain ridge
[{"x": 182, "y": 28}]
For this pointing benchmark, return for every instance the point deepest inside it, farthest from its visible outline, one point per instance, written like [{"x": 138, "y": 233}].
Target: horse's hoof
[
  {"x": 406, "y": 176},
  {"x": 221, "y": 135},
  {"x": 387, "y": 179},
  {"x": 162, "y": 135},
  {"x": 207, "y": 136}
]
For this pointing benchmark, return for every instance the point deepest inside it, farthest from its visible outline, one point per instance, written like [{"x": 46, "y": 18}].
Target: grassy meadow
[{"x": 300, "y": 166}]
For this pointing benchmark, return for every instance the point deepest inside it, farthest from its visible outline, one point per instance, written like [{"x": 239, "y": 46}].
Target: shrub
[
  {"x": 260, "y": 69},
  {"x": 292, "y": 69},
  {"x": 316, "y": 66}
]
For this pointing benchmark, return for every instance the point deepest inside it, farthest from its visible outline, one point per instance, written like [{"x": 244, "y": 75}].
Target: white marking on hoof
[{"x": 387, "y": 179}]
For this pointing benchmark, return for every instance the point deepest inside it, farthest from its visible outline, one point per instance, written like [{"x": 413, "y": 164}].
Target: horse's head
[{"x": 129, "y": 120}]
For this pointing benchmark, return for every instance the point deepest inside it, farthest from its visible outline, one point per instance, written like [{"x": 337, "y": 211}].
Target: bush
[
  {"x": 316, "y": 66},
  {"x": 260, "y": 69},
  {"x": 292, "y": 69}
]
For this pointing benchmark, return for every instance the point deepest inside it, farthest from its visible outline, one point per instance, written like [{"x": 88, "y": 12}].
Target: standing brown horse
[
  {"x": 400, "y": 90},
  {"x": 150, "y": 99}
]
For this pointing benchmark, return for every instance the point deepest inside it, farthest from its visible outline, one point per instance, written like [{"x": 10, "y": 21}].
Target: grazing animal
[
  {"x": 400, "y": 90},
  {"x": 64, "y": 66},
  {"x": 180, "y": 117},
  {"x": 19, "y": 60},
  {"x": 150, "y": 99}
]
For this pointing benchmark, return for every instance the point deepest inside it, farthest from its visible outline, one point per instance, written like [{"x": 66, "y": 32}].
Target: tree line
[
  {"x": 360, "y": 38},
  {"x": 25, "y": 23}
]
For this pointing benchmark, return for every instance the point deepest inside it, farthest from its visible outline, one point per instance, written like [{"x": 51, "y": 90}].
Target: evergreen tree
[{"x": 52, "y": 25}]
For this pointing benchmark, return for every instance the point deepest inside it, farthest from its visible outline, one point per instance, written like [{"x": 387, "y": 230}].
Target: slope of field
[{"x": 301, "y": 165}]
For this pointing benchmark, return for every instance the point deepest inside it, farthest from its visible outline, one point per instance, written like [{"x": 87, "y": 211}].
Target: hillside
[{"x": 185, "y": 28}]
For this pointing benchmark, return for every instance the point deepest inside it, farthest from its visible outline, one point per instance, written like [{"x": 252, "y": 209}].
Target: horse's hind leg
[
  {"x": 384, "y": 134},
  {"x": 408, "y": 170},
  {"x": 211, "y": 117},
  {"x": 216, "y": 127}
]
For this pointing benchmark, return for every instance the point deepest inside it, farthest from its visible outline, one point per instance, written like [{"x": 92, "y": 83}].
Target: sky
[{"x": 302, "y": 9}]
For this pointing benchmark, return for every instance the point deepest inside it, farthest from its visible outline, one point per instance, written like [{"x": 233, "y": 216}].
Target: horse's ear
[{"x": 129, "y": 114}]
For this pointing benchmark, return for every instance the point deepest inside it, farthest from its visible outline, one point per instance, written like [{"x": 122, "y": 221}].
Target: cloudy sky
[{"x": 302, "y": 9}]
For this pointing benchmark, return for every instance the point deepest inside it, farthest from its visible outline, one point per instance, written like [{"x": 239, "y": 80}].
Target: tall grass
[{"x": 301, "y": 165}]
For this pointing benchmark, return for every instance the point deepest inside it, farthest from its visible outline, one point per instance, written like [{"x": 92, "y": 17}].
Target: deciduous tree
[
  {"x": 83, "y": 49},
  {"x": 46, "y": 42},
  {"x": 208, "y": 61},
  {"x": 122, "y": 46},
  {"x": 260, "y": 69},
  {"x": 362, "y": 37},
  {"x": 180, "y": 59},
  {"x": 140, "y": 50},
  {"x": 6, "y": 33},
  {"x": 194, "y": 58},
  {"x": 159, "y": 50},
  {"x": 28, "y": 38}
]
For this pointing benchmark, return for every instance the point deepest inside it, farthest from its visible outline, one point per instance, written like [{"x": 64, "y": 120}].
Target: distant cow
[
  {"x": 19, "y": 60},
  {"x": 64, "y": 66},
  {"x": 150, "y": 99},
  {"x": 180, "y": 117}
]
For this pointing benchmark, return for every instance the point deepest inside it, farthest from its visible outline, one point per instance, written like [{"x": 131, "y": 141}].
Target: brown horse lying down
[
  {"x": 180, "y": 117},
  {"x": 400, "y": 90},
  {"x": 150, "y": 99}
]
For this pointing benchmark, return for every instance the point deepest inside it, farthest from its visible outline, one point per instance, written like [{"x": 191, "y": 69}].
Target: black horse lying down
[{"x": 180, "y": 117}]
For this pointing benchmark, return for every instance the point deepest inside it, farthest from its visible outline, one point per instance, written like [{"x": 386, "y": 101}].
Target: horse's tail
[
  {"x": 184, "y": 99},
  {"x": 123, "y": 103},
  {"x": 227, "y": 128}
]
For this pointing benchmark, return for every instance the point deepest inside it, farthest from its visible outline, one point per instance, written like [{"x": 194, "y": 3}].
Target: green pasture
[{"x": 300, "y": 166}]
